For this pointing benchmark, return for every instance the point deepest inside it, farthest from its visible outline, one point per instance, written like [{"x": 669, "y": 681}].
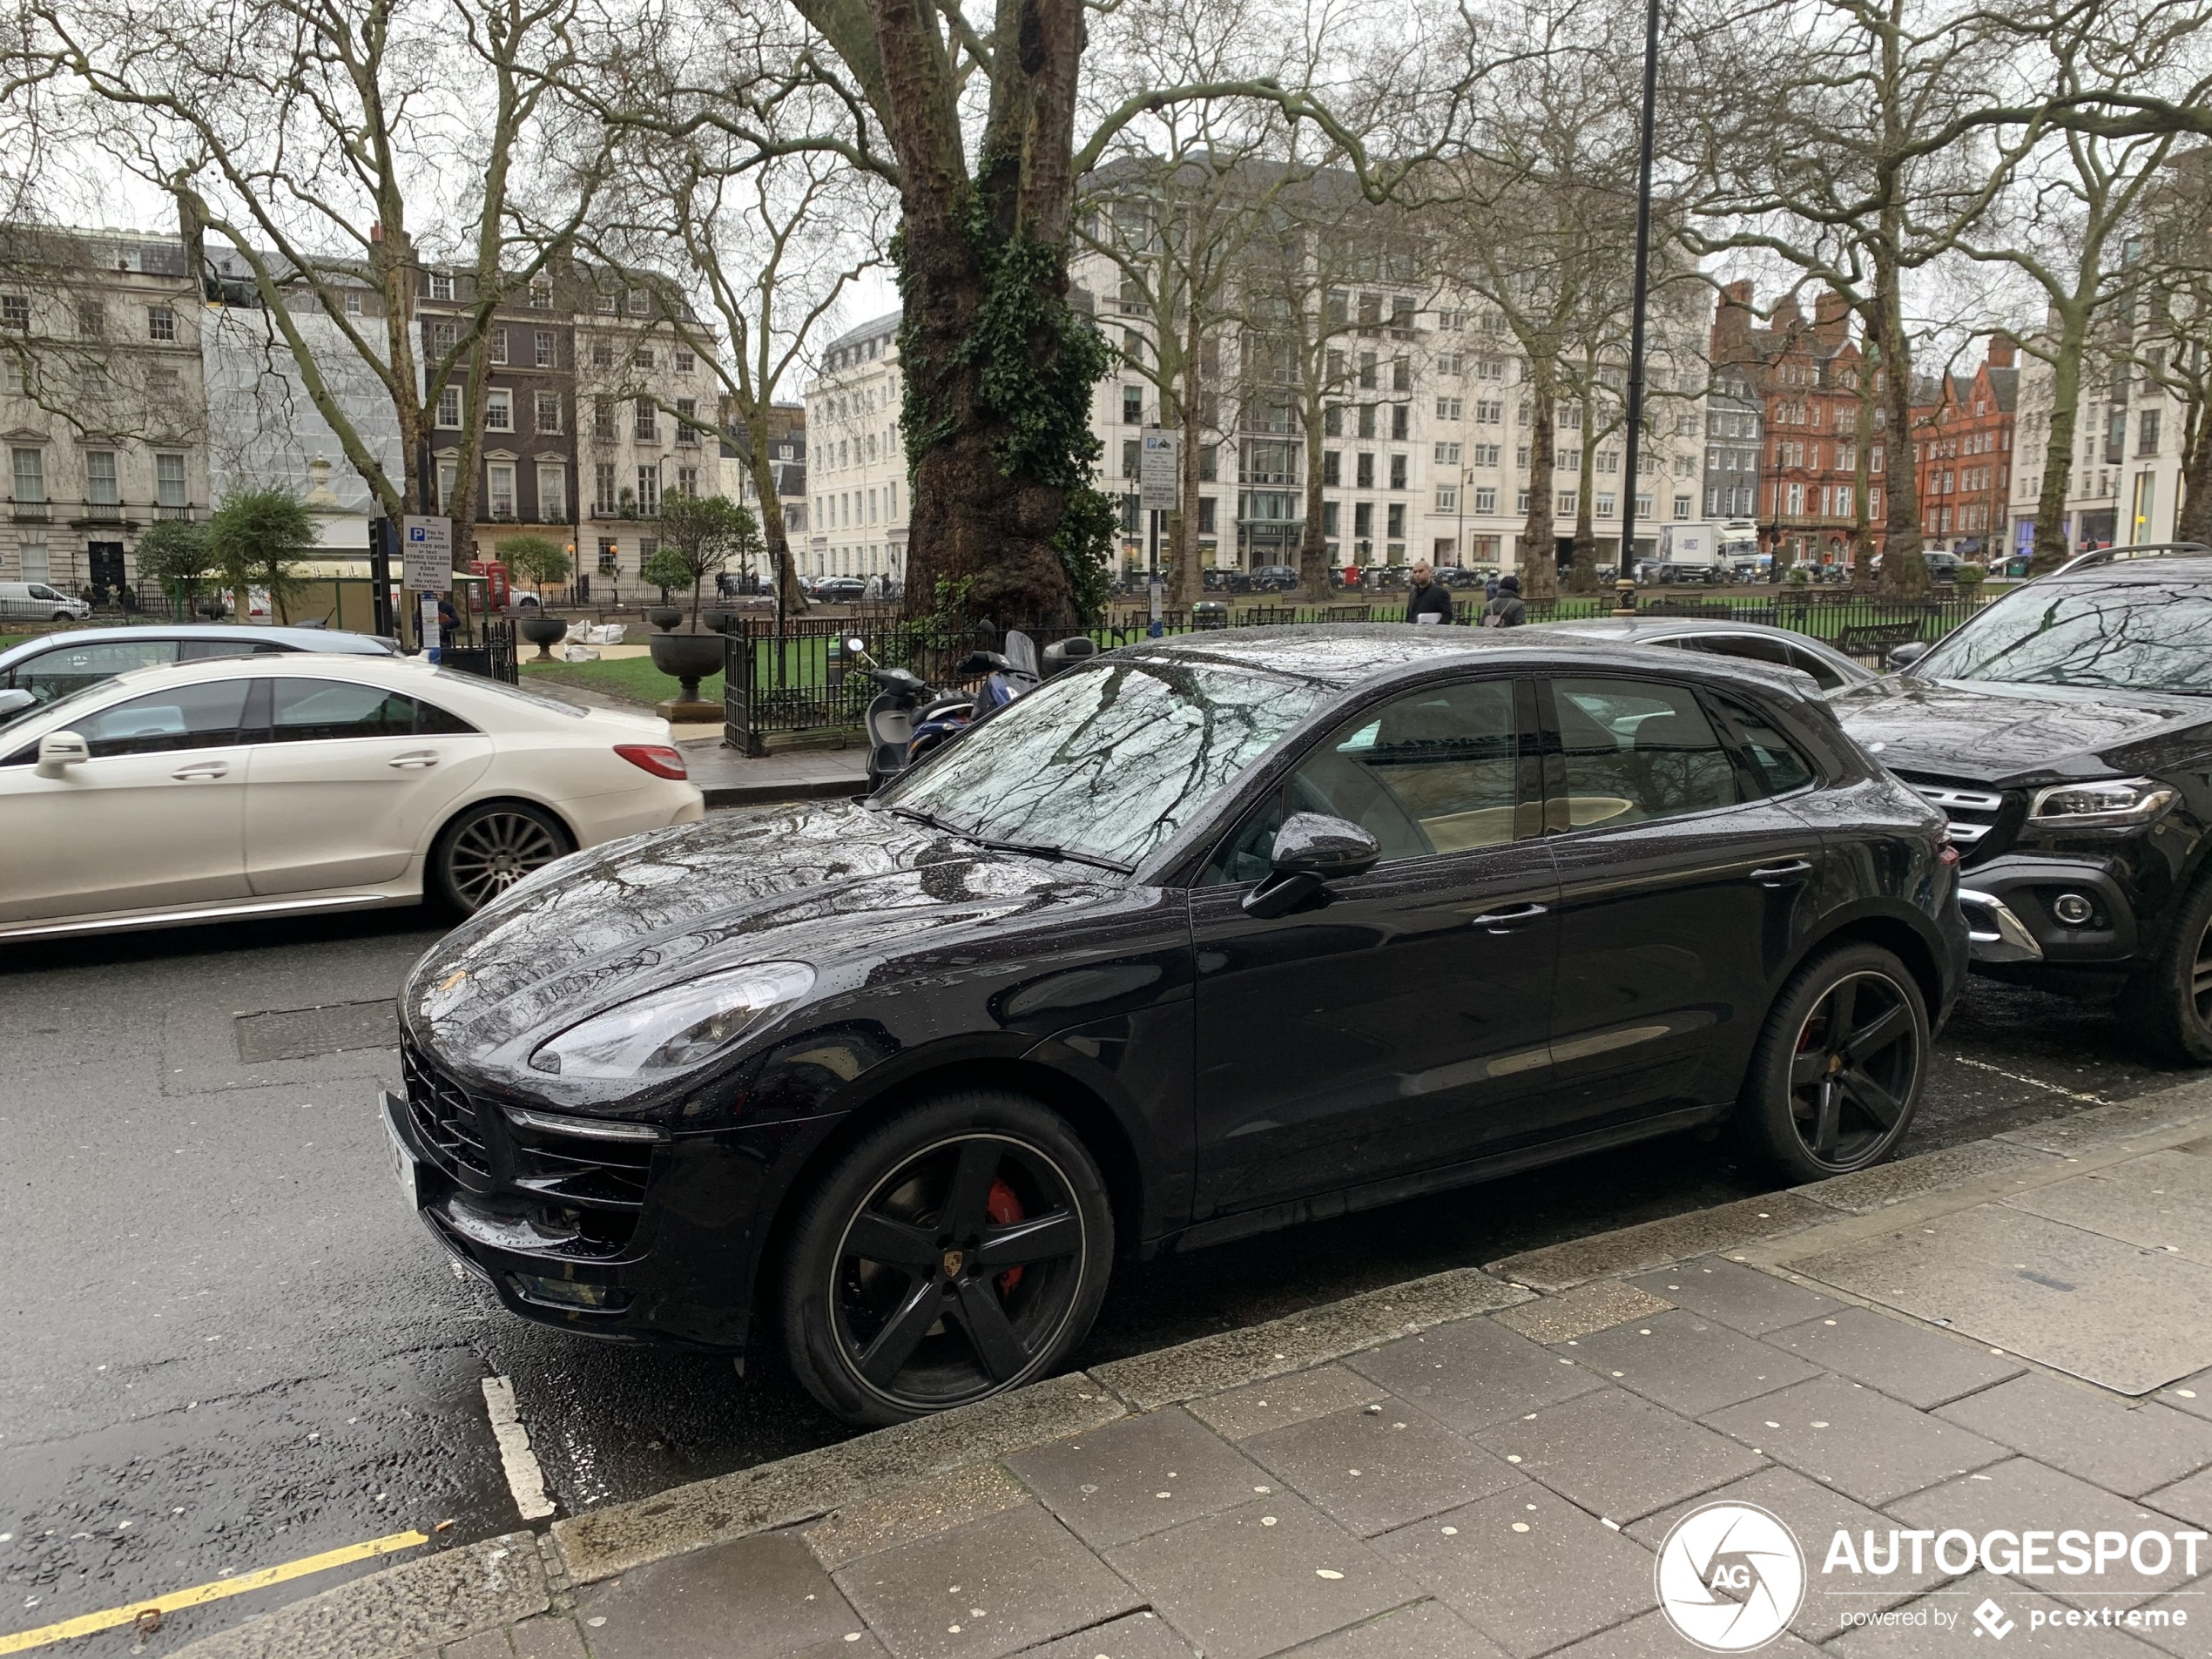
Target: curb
[
  {"x": 770, "y": 794},
  {"x": 496, "y": 1581}
]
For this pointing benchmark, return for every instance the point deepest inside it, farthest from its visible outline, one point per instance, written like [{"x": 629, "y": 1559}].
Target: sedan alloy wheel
[{"x": 487, "y": 851}]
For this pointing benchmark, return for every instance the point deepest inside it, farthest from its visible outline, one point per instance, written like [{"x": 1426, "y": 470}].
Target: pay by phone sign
[{"x": 426, "y": 553}]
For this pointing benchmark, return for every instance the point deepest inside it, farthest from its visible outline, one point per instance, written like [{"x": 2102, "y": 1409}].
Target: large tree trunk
[
  {"x": 2193, "y": 514},
  {"x": 1582, "y": 576},
  {"x": 1537, "y": 553},
  {"x": 1190, "y": 575},
  {"x": 1903, "y": 571},
  {"x": 1862, "y": 528},
  {"x": 987, "y": 345},
  {"x": 783, "y": 570},
  {"x": 2051, "y": 541},
  {"x": 1313, "y": 541}
]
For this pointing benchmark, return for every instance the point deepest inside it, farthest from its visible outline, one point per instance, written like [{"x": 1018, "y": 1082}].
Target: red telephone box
[{"x": 494, "y": 572}]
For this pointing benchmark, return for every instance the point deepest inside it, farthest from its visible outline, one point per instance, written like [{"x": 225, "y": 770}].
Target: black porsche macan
[{"x": 1205, "y": 937}]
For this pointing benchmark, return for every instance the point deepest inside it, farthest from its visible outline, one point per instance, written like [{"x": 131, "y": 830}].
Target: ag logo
[{"x": 1730, "y": 1577}]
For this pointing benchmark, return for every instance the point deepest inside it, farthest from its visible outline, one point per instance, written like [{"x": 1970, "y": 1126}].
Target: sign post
[
  {"x": 425, "y": 557},
  {"x": 1157, "y": 479}
]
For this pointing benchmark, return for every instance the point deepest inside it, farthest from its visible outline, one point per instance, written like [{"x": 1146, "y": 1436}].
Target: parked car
[
  {"x": 1750, "y": 641},
  {"x": 266, "y": 786},
  {"x": 840, "y": 590},
  {"x": 37, "y": 602},
  {"x": 1379, "y": 911},
  {"x": 2066, "y": 732},
  {"x": 1274, "y": 578},
  {"x": 56, "y": 664}
]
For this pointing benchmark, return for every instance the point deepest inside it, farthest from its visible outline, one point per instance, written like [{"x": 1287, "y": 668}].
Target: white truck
[{"x": 1688, "y": 553}]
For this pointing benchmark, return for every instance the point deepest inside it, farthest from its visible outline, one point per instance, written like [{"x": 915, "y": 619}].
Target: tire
[
  {"x": 488, "y": 849},
  {"x": 945, "y": 1313},
  {"x": 2168, "y": 1006},
  {"x": 1837, "y": 1071}
]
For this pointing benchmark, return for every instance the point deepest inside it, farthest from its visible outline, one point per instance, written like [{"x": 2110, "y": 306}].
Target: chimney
[
  {"x": 2002, "y": 352},
  {"x": 376, "y": 231},
  {"x": 1788, "y": 320},
  {"x": 1732, "y": 321},
  {"x": 1831, "y": 320}
]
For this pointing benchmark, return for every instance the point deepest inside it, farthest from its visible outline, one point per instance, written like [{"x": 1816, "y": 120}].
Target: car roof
[
  {"x": 2149, "y": 567},
  {"x": 329, "y": 641},
  {"x": 1346, "y": 654},
  {"x": 1656, "y": 627}
]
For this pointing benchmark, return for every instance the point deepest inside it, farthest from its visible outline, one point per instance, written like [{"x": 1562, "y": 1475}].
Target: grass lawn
[
  {"x": 7, "y": 640},
  {"x": 634, "y": 679}
]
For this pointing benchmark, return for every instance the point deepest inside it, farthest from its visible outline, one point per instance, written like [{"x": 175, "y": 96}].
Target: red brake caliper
[{"x": 1005, "y": 1209}]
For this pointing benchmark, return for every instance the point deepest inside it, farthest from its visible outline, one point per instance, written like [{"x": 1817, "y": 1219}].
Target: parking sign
[
  {"x": 426, "y": 553},
  {"x": 1157, "y": 478}
]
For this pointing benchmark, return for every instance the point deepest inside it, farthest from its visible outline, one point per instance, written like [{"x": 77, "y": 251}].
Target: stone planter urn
[
  {"x": 721, "y": 622},
  {"x": 688, "y": 658},
  {"x": 665, "y": 616},
  {"x": 544, "y": 632}
]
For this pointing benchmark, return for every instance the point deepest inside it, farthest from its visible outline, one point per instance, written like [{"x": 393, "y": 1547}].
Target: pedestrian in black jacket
[
  {"x": 1426, "y": 598},
  {"x": 1506, "y": 611}
]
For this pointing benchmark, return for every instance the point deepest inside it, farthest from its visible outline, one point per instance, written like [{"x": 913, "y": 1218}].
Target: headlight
[
  {"x": 2108, "y": 800},
  {"x": 674, "y": 1030}
]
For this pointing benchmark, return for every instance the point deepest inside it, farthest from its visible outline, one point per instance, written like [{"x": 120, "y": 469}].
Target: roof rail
[{"x": 2141, "y": 551}]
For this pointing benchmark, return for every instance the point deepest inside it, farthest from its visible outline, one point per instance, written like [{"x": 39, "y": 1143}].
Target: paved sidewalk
[
  {"x": 733, "y": 780},
  {"x": 2001, "y": 1346}
]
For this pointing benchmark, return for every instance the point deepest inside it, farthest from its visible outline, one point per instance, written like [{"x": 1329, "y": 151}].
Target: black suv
[{"x": 2067, "y": 730}]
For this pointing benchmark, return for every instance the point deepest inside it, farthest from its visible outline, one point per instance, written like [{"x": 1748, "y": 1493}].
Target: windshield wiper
[
  {"x": 928, "y": 821},
  {"x": 1047, "y": 850}
]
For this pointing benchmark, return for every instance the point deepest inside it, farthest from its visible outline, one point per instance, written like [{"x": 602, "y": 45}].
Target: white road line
[
  {"x": 524, "y": 1478},
  {"x": 2033, "y": 1082}
]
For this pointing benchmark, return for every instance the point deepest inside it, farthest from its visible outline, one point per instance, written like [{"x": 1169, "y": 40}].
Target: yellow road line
[{"x": 200, "y": 1594}]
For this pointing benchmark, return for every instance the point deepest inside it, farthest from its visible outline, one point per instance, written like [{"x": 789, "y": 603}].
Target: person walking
[
  {"x": 1505, "y": 610},
  {"x": 1427, "y": 601}
]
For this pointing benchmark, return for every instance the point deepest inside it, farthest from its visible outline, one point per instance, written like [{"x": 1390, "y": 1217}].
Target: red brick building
[
  {"x": 1962, "y": 450},
  {"x": 1806, "y": 371}
]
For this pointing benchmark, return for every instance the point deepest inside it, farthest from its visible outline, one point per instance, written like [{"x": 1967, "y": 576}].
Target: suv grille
[
  {"x": 1982, "y": 821},
  {"x": 445, "y": 1118}
]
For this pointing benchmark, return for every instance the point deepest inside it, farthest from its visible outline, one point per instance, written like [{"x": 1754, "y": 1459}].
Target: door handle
[
  {"x": 1783, "y": 875},
  {"x": 201, "y": 769},
  {"x": 1504, "y": 921},
  {"x": 414, "y": 762}
]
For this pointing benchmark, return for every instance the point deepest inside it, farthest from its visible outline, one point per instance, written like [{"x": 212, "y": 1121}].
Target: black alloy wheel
[
  {"x": 487, "y": 849},
  {"x": 2169, "y": 1005},
  {"x": 1837, "y": 1070},
  {"x": 960, "y": 1250}
]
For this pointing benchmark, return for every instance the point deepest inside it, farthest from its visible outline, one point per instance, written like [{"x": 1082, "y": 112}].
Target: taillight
[{"x": 659, "y": 759}]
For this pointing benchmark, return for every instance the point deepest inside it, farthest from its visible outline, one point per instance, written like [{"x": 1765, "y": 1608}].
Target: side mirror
[
  {"x": 1310, "y": 850},
  {"x": 1909, "y": 653},
  {"x": 15, "y": 702},
  {"x": 856, "y": 644},
  {"x": 59, "y": 751}
]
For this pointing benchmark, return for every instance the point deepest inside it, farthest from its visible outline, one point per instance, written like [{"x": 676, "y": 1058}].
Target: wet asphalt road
[{"x": 229, "y": 1347}]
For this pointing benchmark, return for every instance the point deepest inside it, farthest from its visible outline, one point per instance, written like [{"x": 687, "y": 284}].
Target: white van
[{"x": 36, "y": 602}]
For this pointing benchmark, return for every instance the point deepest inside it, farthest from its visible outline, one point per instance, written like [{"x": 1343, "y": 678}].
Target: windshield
[
  {"x": 1107, "y": 763},
  {"x": 2139, "y": 637}
]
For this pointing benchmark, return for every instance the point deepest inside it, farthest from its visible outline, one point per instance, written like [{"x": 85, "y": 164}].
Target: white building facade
[{"x": 2125, "y": 484}]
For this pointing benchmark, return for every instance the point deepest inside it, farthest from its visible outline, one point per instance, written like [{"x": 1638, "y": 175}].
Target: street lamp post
[{"x": 1627, "y": 584}]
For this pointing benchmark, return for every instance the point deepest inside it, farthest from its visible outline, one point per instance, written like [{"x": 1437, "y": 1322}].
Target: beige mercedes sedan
[{"x": 259, "y": 787}]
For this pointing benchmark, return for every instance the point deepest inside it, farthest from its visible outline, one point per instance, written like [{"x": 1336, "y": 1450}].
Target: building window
[
  {"x": 447, "y": 471},
  {"x": 608, "y": 304},
  {"x": 642, "y": 358},
  {"x": 441, "y": 285},
  {"x": 1331, "y": 468},
  {"x": 1132, "y": 406},
  {"x": 498, "y": 345},
  {"x": 1401, "y": 421},
  {"x": 552, "y": 494},
  {"x": 352, "y": 302},
  {"x": 99, "y": 479},
  {"x": 1328, "y": 518},
  {"x": 1206, "y": 511},
  {"x": 449, "y": 406},
  {"x": 1447, "y": 498},
  {"x": 687, "y": 480},
  {"x": 547, "y": 355},
  {"x": 1567, "y": 500},
  {"x": 645, "y": 423},
  {"x": 1396, "y": 521},
  {"x": 1366, "y": 419},
  {"x": 1363, "y": 520},
  {"x": 1397, "y": 472},
  {"x": 548, "y": 411},
  {"x": 649, "y": 490},
  {"x": 1363, "y": 474},
  {"x": 606, "y": 493},
  {"x": 1367, "y": 371},
  {"x": 640, "y": 302},
  {"x": 169, "y": 480},
  {"x": 91, "y": 319},
  {"x": 443, "y": 337},
  {"x": 1683, "y": 505},
  {"x": 1131, "y": 448},
  {"x": 605, "y": 423},
  {"x": 687, "y": 410},
  {"x": 15, "y": 311},
  {"x": 499, "y": 410},
  {"x": 2147, "y": 440},
  {"x": 1448, "y": 408},
  {"x": 602, "y": 354},
  {"x": 161, "y": 323},
  {"x": 683, "y": 359},
  {"x": 1485, "y": 499},
  {"x": 541, "y": 296},
  {"x": 499, "y": 489},
  {"x": 1208, "y": 462}
]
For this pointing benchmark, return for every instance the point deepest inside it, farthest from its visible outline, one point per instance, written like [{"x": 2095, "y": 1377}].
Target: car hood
[
  {"x": 833, "y": 884},
  {"x": 2001, "y": 733}
]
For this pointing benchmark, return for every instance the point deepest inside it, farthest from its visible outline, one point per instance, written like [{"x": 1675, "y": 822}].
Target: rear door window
[
  {"x": 311, "y": 711},
  {"x": 1632, "y": 751},
  {"x": 67, "y": 668}
]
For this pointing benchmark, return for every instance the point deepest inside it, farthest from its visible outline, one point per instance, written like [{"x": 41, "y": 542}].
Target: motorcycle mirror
[{"x": 856, "y": 644}]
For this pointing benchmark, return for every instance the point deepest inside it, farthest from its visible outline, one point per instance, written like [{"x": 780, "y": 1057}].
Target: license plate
[{"x": 403, "y": 1164}]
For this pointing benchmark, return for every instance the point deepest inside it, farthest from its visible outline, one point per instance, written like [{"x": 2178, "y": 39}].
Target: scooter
[
  {"x": 907, "y": 720},
  {"x": 904, "y": 700},
  {"x": 1008, "y": 674}
]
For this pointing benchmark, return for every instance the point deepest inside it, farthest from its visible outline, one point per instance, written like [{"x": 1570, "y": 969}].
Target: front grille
[
  {"x": 1982, "y": 821},
  {"x": 445, "y": 1119},
  {"x": 608, "y": 1175}
]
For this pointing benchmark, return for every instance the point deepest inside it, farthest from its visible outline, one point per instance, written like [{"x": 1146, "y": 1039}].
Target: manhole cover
[{"x": 301, "y": 1034}]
